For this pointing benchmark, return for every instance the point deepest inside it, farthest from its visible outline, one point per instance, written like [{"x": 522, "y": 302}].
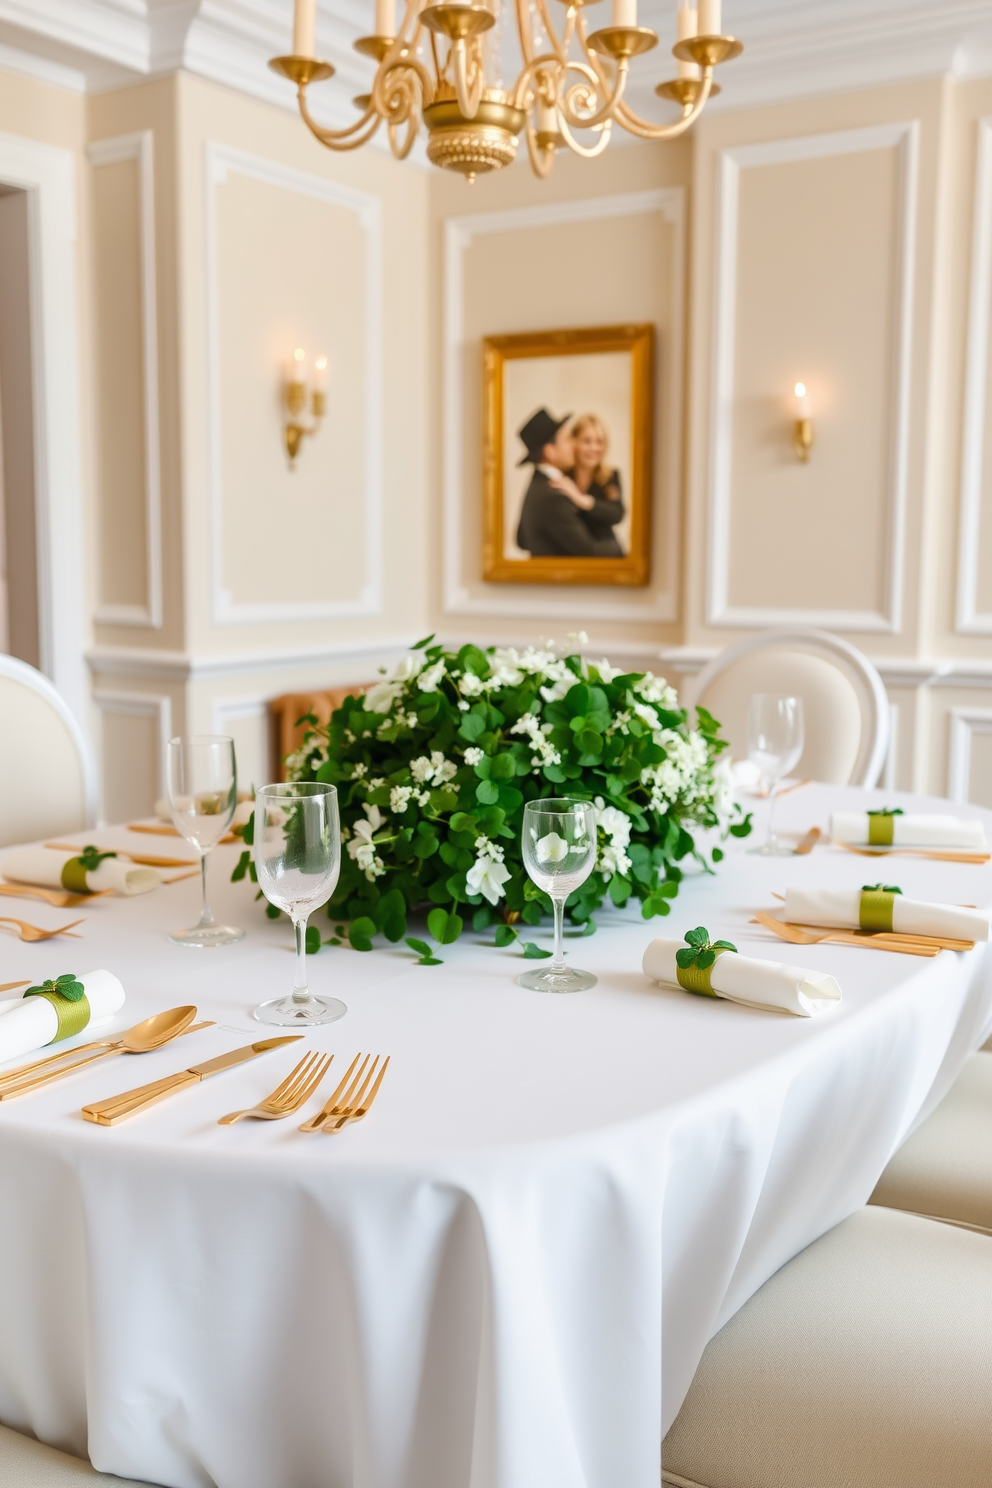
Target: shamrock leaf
[
  {"x": 887, "y": 811},
  {"x": 64, "y": 986},
  {"x": 881, "y": 889},
  {"x": 698, "y": 937},
  {"x": 700, "y": 951},
  {"x": 91, "y": 857}
]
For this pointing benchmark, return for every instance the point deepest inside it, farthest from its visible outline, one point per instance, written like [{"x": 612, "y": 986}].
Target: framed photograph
[{"x": 567, "y": 456}]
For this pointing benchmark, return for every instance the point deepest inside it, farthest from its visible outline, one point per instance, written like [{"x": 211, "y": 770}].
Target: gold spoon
[{"x": 151, "y": 1033}]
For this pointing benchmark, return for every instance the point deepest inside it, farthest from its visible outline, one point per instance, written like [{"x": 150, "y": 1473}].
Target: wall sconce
[
  {"x": 802, "y": 436},
  {"x": 296, "y": 400}
]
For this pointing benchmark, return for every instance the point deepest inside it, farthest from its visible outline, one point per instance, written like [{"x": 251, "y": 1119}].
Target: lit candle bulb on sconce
[
  {"x": 296, "y": 384},
  {"x": 802, "y": 437}
]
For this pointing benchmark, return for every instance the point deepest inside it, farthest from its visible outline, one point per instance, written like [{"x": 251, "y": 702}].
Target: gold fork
[
  {"x": 34, "y": 932},
  {"x": 357, "y": 1102},
  {"x": 314, "y": 1123},
  {"x": 872, "y": 940},
  {"x": 298, "y": 1086}
]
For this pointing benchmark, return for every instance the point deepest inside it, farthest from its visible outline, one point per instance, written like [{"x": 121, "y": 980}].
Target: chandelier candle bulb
[
  {"x": 320, "y": 375},
  {"x": 710, "y": 18},
  {"x": 625, "y": 12},
  {"x": 802, "y": 401},
  {"x": 688, "y": 26},
  {"x": 305, "y": 28},
  {"x": 385, "y": 17}
]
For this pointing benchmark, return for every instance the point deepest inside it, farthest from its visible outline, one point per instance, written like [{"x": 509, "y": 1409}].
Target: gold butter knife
[{"x": 119, "y": 1107}]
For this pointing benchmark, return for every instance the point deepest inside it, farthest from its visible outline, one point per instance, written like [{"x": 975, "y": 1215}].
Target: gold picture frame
[{"x": 511, "y": 393}]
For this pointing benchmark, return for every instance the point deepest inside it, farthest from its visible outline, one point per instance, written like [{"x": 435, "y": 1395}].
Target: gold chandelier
[{"x": 441, "y": 66}]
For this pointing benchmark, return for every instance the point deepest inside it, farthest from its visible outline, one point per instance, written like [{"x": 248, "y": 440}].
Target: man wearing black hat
[{"x": 549, "y": 524}]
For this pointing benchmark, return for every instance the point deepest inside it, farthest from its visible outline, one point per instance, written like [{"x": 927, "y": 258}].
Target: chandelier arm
[
  {"x": 524, "y": 33},
  {"x": 558, "y": 47},
  {"x": 337, "y": 139},
  {"x": 468, "y": 84},
  {"x": 587, "y": 152},
  {"x": 542, "y": 157},
  {"x": 401, "y": 148},
  {"x": 525, "y": 82},
  {"x": 635, "y": 125},
  {"x": 606, "y": 111},
  {"x": 393, "y": 81}
]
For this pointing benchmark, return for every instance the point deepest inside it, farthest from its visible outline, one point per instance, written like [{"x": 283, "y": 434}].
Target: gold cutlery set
[
  {"x": 875, "y": 940},
  {"x": 350, "y": 1101}
]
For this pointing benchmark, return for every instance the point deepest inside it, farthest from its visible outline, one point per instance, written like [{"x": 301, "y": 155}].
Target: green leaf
[
  {"x": 505, "y": 935},
  {"x": 587, "y": 741},
  {"x": 705, "y": 959},
  {"x": 461, "y": 821},
  {"x": 430, "y": 961},
  {"x": 619, "y": 890},
  {"x": 717, "y": 855},
  {"x": 420, "y": 645},
  {"x": 472, "y": 727},
  {"x": 503, "y": 767},
  {"x": 576, "y": 700},
  {"x": 360, "y": 933},
  {"x": 724, "y": 945},
  {"x": 487, "y": 793},
  {"x": 437, "y": 924},
  {"x": 532, "y": 913},
  {"x": 242, "y": 867},
  {"x": 313, "y": 940},
  {"x": 533, "y": 952},
  {"x": 685, "y": 956},
  {"x": 697, "y": 937},
  {"x": 471, "y": 659},
  {"x": 248, "y": 835},
  {"x": 420, "y": 946},
  {"x": 272, "y": 911}
]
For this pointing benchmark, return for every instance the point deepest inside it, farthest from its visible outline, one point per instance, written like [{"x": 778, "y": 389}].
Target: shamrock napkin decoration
[
  {"x": 64, "y": 986},
  {"x": 91, "y": 857},
  {"x": 880, "y": 889},
  {"x": 887, "y": 811},
  {"x": 700, "y": 952}
]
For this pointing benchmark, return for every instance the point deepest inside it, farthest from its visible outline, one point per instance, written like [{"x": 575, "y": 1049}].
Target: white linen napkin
[
  {"x": 911, "y": 830},
  {"x": 744, "y": 979},
  {"x": 43, "y": 866},
  {"x": 29, "y": 1023},
  {"x": 841, "y": 909}
]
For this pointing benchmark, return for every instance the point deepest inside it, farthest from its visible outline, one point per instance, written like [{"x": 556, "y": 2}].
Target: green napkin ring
[
  {"x": 68, "y": 998},
  {"x": 876, "y": 905},
  {"x": 74, "y": 871},
  {"x": 695, "y": 960},
  {"x": 881, "y": 824}
]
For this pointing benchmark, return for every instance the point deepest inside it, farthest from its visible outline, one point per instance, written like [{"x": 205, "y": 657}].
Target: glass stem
[
  {"x": 558, "y": 964},
  {"x": 206, "y": 914},
  {"x": 772, "y": 800},
  {"x": 301, "y": 991}
]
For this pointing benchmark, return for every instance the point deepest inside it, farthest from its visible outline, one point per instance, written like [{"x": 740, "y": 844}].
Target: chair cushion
[
  {"x": 945, "y": 1168},
  {"x": 866, "y": 1362},
  {"x": 26, "y": 1463}
]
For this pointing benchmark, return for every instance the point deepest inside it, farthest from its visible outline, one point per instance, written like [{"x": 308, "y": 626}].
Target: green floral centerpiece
[{"x": 434, "y": 763}]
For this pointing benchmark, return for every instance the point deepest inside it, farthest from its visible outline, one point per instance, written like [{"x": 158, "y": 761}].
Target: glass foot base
[
  {"x": 546, "y": 979},
  {"x": 205, "y": 936},
  {"x": 772, "y": 849},
  {"x": 285, "y": 1013}
]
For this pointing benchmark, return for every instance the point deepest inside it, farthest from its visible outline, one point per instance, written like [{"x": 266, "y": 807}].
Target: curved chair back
[
  {"x": 844, "y": 700},
  {"x": 47, "y": 779}
]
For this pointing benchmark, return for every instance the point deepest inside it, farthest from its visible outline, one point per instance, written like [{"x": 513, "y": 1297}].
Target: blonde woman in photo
[{"x": 592, "y": 485}]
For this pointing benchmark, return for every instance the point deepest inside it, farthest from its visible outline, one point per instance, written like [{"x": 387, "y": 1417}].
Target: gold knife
[{"x": 119, "y": 1107}]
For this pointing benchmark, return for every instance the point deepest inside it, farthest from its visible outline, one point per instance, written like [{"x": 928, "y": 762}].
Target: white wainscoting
[
  {"x": 969, "y": 620},
  {"x": 140, "y": 147},
  {"x": 111, "y": 703},
  {"x": 659, "y": 604},
  {"x": 905, "y": 139},
  {"x": 245, "y": 720},
  {"x": 965, "y": 724},
  {"x": 220, "y": 161}
]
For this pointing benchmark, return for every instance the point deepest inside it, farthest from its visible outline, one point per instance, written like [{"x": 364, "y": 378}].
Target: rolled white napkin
[
  {"x": 43, "y": 866},
  {"x": 915, "y": 829},
  {"x": 29, "y": 1023},
  {"x": 841, "y": 908},
  {"x": 744, "y": 979}
]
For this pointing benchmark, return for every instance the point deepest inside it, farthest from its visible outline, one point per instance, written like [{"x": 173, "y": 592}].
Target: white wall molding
[
  {"x": 731, "y": 162},
  {"x": 140, "y": 705},
  {"x": 220, "y": 162},
  {"x": 181, "y": 666},
  {"x": 965, "y": 724},
  {"x": 660, "y": 602},
  {"x": 140, "y": 148},
  {"x": 969, "y": 620},
  {"x": 47, "y": 175}
]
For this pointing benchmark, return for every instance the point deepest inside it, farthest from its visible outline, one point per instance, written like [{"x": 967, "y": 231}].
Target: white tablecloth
[{"x": 505, "y": 1276}]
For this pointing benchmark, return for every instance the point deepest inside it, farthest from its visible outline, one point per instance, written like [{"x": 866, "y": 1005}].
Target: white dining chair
[
  {"x": 844, "y": 700},
  {"x": 864, "y": 1361},
  {"x": 47, "y": 777},
  {"x": 26, "y": 1463},
  {"x": 944, "y": 1170}
]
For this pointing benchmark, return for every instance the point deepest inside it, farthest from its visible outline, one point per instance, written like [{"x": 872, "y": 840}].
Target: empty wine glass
[
  {"x": 559, "y": 847},
  {"x": 297, "y": 852},
  {"x": 202, "y": 783},
  {"x": 775, "y": 738}
]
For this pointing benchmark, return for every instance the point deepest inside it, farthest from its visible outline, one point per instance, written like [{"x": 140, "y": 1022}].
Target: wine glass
[
  {"x": 559, "y": 847},
  {"x": 202, "y": 784},
  {"x": 297, "y": 851},
  {"x": 775, "y": 738}
]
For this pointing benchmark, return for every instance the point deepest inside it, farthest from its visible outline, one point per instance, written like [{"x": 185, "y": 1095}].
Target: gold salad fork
[
  {"x": 298, "y": 1086},
  {"x": 352, "y": 1099},
  {"x": 34, "y": 932}
]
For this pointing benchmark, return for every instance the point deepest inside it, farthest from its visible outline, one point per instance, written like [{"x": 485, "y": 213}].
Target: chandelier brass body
[{"x": 569, "y": 93}]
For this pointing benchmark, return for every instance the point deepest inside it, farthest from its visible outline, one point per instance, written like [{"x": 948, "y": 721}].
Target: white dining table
[{"x": 504, "y": 1277}]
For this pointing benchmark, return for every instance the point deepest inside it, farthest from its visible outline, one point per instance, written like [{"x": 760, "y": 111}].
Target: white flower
[
  {"x": 544, "y": 751},
  {"x": 648, "y": 715},
  {"x": 421, "y": 769},
  {"x": 463, "y": 707},
  {"x": 488, "y": 873},
  {"x": 399, "y": 798},
  {"x": 606, "y": 671},
  {"x": 408, "y": 668},
  {"x": 473, "y": 755},
  {"x": 656, "y": 690},
  {"x": 577, "y": 638},
  {"x": 434, "y": 771},
  {"x": 380, "y": 698},
  {"x": 615, "y": 825},
  {"x": 357, "y": 771},
  {"x": 361, "y": 846},
  {"x": 428, "y": 681},
  {"x": 552, "y": 848},
  {"x": 505, "y": 667},
  {"x": 470, "y": 685}
]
